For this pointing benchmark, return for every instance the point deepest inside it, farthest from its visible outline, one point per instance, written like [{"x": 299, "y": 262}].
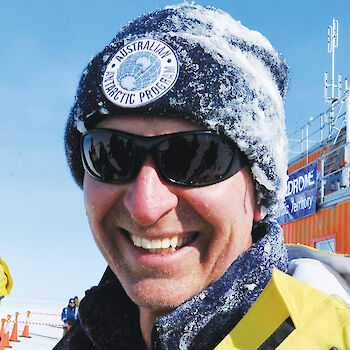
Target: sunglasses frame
[{"x": 149, "y": 145}]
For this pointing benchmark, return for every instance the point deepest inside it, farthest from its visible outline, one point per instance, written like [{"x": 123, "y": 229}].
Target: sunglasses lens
[
  {"x": 189, "y": 159},
  {"x": 108, "y": 156},
  {"x": 195, "y": 159}
]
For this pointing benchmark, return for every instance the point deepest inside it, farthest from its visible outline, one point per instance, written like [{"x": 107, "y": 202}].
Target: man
[
  {"x": 69, "y": 315},
  {"x": 177, "y": 138}
]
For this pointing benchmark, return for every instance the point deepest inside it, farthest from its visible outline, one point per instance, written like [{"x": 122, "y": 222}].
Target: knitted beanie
[{"x": 198, "y": 64}]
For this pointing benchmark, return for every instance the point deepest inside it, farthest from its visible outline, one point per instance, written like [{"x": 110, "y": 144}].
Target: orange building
[{"x": 328, "y": 228}]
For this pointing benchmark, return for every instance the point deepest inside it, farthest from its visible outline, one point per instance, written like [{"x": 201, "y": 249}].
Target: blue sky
[{"x": 45, "y": 46}]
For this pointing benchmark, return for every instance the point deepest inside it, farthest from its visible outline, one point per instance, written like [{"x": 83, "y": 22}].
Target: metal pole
[
  {"x": 302, "y": 140},
  {"x": 307, "y": 143},
  {"x": 322, "y": 179},
  {"x": 345, "y": 174},
  {"x": 333, "y": 51},
  {"x": 347, "y": 125}
]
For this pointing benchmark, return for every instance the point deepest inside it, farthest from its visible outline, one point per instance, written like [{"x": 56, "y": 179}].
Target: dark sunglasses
[{"x": 194, "y": 158}]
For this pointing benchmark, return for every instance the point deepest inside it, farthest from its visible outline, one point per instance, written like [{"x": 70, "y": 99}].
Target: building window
[{"x": 325, "y": 243}]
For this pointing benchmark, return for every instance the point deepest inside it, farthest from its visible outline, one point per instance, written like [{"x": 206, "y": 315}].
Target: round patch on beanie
[{"x": 140, "y": 72}]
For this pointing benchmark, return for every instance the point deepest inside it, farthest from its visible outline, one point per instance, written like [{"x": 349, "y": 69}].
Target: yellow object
[
  {"x": 321, "y": 321},
  {"x": 5, "y": 279}
]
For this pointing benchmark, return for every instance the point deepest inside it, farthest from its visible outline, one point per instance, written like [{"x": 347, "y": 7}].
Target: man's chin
[{"x": 160, "y": 297}]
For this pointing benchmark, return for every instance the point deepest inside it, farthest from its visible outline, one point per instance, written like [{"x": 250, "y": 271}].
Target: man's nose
[{"x": 148, "y": 198}]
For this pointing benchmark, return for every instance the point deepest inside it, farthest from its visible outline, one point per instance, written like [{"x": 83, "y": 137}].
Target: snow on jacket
[
  {"x": 296, "y": 315},
  {"x": 110, "y": 320}
]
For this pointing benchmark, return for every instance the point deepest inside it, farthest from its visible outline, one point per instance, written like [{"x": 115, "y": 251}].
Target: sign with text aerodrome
[{"x": 300, "y": 200}]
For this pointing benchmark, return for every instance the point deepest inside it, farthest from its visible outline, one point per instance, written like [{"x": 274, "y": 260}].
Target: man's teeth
[{"x": 160, "y": 246}]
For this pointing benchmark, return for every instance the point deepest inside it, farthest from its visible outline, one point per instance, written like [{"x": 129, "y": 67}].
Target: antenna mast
[
  {"x": 333, "y": 100},
  {"x": 332, "y": 45},
  {"x": 336, "y": 102}
]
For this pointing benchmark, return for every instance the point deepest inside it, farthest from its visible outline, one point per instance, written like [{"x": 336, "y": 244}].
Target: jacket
[
  {"x": 109, "y": 319},
  {"x": 69, "y": 315},
  {"x": 5, "y": 279}
]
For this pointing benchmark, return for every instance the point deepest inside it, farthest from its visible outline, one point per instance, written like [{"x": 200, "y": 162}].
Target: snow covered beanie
[{"x": 198, "y": 64}]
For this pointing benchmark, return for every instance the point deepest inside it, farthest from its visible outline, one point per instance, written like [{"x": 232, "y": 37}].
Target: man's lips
[{"x": 161, "y": 245}]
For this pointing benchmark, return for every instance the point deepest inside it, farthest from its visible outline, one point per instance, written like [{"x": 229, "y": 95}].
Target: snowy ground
[{"x": 46, "y": 333}]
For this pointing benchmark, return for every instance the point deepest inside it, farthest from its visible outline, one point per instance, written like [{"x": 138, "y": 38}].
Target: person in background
[
  {"x": 5, "y": 280},
  {"x": 177, "y": 138},
  {"x": 69, "y": 315},
  {"x": 76, "y": 299}
]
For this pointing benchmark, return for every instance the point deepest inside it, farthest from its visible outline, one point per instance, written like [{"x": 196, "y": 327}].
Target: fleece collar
[{"x": 111, "y": 320}]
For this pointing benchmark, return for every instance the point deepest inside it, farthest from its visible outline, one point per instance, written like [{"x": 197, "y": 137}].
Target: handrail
[
  {"x": 320, "y": 134},
  {"x": 323, "y": 178},
  {"x": 319, "y": 129}
]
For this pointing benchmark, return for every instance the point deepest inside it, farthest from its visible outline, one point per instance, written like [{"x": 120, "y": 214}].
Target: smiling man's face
[{"x": 202, "y": 230}]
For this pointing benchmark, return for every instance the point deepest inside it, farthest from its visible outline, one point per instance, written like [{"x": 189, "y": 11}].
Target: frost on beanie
[{"x": 198, "y": 64}]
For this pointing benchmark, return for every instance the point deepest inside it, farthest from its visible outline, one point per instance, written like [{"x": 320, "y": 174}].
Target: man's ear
[{"x": 257, "y": 213}]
